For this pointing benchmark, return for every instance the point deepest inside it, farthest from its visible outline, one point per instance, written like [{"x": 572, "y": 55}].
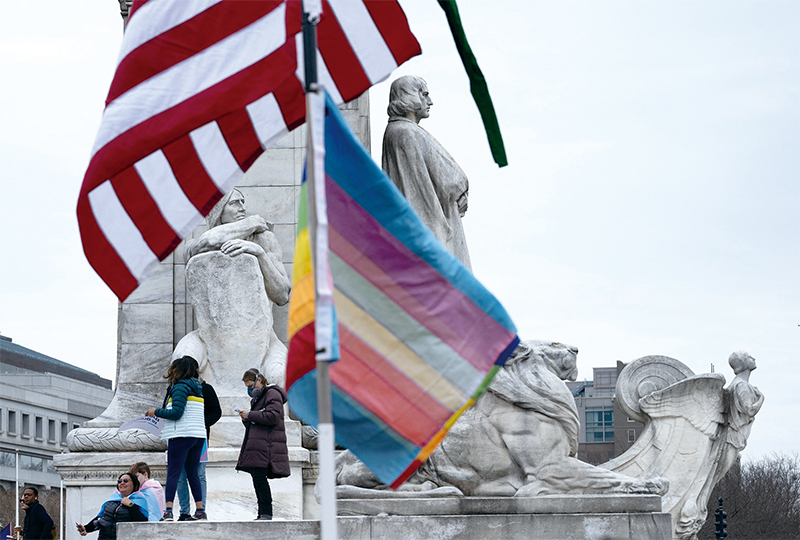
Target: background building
[
  {"x": 41, "y": 400},
  {"x": 606, "y": 432}
]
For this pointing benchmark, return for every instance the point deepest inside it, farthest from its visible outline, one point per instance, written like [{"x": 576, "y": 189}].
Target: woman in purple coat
[{"x": 264, "y": 453}]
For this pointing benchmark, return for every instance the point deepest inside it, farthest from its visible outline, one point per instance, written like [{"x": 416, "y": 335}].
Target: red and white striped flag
[{"x": 201, "y": 89}]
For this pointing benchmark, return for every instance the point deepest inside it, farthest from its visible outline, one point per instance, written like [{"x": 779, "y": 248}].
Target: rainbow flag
[{"x": 420, "y": 339}]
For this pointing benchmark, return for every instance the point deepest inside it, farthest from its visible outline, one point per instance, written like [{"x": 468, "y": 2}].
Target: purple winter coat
[{"x": 264, "y": 444}]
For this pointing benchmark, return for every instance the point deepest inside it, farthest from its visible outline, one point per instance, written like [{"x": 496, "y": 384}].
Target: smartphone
[{"x": 237, "y": 411}]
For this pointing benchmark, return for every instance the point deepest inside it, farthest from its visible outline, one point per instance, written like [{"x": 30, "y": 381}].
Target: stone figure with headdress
[{"x": 234, "y": 275}]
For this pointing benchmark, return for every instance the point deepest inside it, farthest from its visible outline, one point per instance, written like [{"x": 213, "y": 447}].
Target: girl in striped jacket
[{"x": 184, "y": 430}]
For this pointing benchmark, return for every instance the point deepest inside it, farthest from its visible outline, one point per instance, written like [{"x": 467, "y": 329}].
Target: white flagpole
[
  {"x": 16, "y": 499},
  {"x": 323, "y": 297},
  {"x": 61, "y": 511}
]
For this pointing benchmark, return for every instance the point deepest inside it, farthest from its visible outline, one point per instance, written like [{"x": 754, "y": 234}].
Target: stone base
[
  {"x": 545, "y": 518},
  {"x": 90, "y": 477}
]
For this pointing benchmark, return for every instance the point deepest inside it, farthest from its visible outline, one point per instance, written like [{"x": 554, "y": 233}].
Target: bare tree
[{"x": 762, "y": 499}]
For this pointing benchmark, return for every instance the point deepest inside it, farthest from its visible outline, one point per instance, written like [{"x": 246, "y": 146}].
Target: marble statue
[
  {"x": 233, "y": 276},
  {"x": 426, "y": 174},
  {"x": 695, "y": 428},
  {"x": 520, "y": 439}
]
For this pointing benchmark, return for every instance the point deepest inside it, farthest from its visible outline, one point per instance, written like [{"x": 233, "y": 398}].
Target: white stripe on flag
[
  {"x": 267, "y": 119},
  {"x": 155, "y": 18},
  {"x": 120, "y": 231},
  {"x": 156, "y": 173},
  {"x": 365, "y": 39},
  {"x": 217, "y": 159},
  {"x": 323, "y": 75},
  {"x": 195, "y": 74}
]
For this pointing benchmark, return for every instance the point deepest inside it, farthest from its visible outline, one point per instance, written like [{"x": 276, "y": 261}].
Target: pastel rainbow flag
[{"x": 420, "y": 338}]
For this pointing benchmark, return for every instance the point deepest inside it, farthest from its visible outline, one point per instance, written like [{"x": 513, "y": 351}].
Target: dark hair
[
  {"x": 252, "y": 374},
  {"x": 182, "y": 368},
  {"x": 35, "y": 491},
  {"x": 140, "y": 467},
  {"x": 133, "y": 478}
]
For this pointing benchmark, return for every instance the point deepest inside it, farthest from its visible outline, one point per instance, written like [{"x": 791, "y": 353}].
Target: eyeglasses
[{"x": 123, "y": 481}]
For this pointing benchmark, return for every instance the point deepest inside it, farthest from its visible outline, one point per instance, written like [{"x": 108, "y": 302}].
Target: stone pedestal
[
  {"x": 90, "y": 477},
  {"x": 579, "y": 517}
]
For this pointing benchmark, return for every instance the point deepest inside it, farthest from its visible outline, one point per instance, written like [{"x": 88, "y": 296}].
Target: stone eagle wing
[{"x": 699, "y": 399}]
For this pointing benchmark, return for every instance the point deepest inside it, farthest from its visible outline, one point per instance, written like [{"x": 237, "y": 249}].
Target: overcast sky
[{"x": 650, "y": 206}]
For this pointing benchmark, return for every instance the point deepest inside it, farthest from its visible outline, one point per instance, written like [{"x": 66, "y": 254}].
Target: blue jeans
[{"x": 183, "y": 488}]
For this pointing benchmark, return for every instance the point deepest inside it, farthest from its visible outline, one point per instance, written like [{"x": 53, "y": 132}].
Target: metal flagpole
[
  {"x": 61, "y": 511},
  {"x": 16, "y": 500},
  {"x": 323, "y": 297}
]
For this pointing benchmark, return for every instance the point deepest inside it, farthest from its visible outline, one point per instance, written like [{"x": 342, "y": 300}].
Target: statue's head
[
  {"x": 559, "y": 358},
  {"x": 229, "y": 209},
  {"x": 741, "y": 361},
  {"x": 409, "y": 97}
]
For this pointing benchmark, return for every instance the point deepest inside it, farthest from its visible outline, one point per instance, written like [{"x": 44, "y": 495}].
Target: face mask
[{"x": 250, "y": 391}]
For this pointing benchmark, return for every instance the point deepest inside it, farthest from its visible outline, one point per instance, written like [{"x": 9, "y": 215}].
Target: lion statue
[{"x": 520, "y": 439}]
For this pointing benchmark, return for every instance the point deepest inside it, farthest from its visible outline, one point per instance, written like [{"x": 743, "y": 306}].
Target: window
[
  {"x": 31, "y": 463},
  {"x": 39, "y": 428},
  {"x": 75, "y": 426},
  {"x": 630, "y": 419},
  {"x": 599, "y": 424},
  {"x": 12, "y": 422},
  {"x": 1, "y": 420},
  {"x": 26, "y": 425},
  {"x": 64, "y": 431},
  {"x": 51, "y": 431},
  {"x": 50, "y": 467},
  {"x": 8, "y": 459},
  {"x": 631, "y": 435}
]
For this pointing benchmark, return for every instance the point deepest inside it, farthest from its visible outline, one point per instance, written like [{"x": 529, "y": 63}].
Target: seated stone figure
[
  {"x": 233, "y": 277},
  {"x": 520, "y": 439}
]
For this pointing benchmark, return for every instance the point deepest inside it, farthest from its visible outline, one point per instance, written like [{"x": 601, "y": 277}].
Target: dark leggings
[
  {"x": 183, "y": 453},
  {"x": 263, "y": 493}
]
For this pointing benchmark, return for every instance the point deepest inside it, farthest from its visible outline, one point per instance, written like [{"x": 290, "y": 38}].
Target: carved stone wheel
[{"x": 644, "y": 376}]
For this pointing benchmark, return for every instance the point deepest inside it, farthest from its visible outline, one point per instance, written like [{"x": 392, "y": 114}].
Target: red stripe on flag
[
  {"x": 233, "y": 93},
  {"x": 135, "y": 7},
  {"x": 386, "y": 392},
  {"x": 101, "y": 254},
  {"x": 191, "y": 175},
  {"x": 185, "y": 40},
  {"x": 145, "y": 213},
  {"x": 291, "y": 100},
  {"x": 241, "y": 137},
  {"x": 341, "y": 61},
  {"x": 393, "y": 26},
  {"x": 302, "y": 356}
]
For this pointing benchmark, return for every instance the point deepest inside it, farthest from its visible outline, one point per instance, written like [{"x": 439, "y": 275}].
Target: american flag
[{"x": 201, "y": 89}]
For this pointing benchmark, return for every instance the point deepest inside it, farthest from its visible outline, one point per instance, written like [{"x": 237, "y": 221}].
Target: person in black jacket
[
  {"x": 38, "y": 524},
  {"x": 126, "y": 505},
  {"x": 212, "y": 413},
  {"x": 264, "y": 453}
]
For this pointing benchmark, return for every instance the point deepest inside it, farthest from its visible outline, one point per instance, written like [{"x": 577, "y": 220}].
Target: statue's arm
[
  {"x": 213, "y": 239},
  {"x": 748, "y": 399},
  {"x": 276, "y": 281}
]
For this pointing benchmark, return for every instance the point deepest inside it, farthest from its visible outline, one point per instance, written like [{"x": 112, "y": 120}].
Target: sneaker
[
  {"x": 264, "y": 517},
  {"x": 167, "y": 515},
  {"x": 200, "y": 515},
  {"x": 186, "y": 517}
]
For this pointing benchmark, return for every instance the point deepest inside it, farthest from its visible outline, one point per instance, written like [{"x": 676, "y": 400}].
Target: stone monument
[
  {"x": 695, "y": 428},
  {"x": 424, "y": 172},
  {"x": 152, "y": 322}
]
